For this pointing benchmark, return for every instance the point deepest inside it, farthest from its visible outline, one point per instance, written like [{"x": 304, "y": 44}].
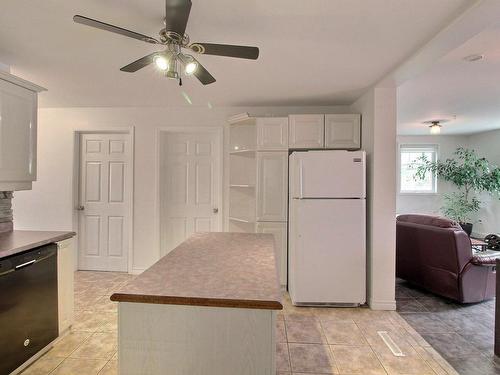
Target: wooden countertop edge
[{"x": 197, "y": 301}]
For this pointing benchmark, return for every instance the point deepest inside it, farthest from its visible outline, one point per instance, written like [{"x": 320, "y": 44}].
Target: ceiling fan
[{"x": 174, "y": 39}]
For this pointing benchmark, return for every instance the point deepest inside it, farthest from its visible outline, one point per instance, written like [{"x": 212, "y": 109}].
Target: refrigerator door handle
[{"x": 301, "y": 185}]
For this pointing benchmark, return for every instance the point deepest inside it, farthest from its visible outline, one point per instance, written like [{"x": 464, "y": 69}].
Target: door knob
[
  {"x": 215, "y": 210},
  {"x": 80, "y": 208}
]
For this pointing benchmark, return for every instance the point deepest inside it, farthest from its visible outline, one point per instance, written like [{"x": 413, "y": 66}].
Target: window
[{"x": 409, "y": 161}]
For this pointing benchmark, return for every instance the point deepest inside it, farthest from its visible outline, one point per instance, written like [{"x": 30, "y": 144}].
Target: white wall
[
  {"x": 487, "y": 145},
  {"x": 378, "y": 109},
  {"x": 4, "y": 67},
  {"x": 429, "y": 203},
  {"x": 49, "y": 206}
]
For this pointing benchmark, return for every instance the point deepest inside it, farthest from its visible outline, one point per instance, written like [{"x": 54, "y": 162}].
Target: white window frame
[{"x": 417, "y": 146}]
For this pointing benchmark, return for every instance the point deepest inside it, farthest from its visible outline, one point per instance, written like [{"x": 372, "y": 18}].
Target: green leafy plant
[{"x": 470, "y": 174}]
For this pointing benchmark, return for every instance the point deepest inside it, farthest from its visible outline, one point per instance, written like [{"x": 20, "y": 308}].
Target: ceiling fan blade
[
  {"x": 114, "y": 29},
  {"x": 177, "y": 15},
  {"x": 242, "y": 52},
  {"x": 202, "y": 74},
  {"x": 139, "y": 64}
]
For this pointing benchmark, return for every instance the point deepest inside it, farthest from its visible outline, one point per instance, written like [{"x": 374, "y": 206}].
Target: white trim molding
[{"x": 382, "y": 305}]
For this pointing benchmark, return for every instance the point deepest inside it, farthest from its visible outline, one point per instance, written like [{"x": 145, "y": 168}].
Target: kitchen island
[{"x": 207, "y": 307}]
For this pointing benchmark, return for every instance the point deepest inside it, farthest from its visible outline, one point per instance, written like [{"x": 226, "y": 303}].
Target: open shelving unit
[{"x": 242, "y": 176}]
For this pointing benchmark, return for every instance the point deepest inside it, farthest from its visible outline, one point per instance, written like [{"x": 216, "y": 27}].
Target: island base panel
[{"x": 195, "y": 340}]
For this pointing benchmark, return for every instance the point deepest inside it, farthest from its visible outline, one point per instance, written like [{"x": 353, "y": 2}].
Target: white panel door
[
  {"x": 272, "y": 186},
  {"x": 306, "y": 131},
  {"x": 189, "y": 186},
  {"x": 343, "y": 132},
  {"x": 279, "y": 231},
  {"x": 327, "y": 256},
  {"x": 272, "y": 133},
  {"x": 328, "y": 174},
  {"x": 18, "y": 111},
  {"x": 105, "y": 189}
]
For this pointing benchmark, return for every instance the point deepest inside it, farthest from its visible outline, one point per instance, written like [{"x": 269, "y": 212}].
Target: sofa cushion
[{"x": 434, "y": 221}]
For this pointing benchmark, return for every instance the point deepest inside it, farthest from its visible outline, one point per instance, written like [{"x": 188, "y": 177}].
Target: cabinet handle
[
  {"x": 215, "y": 210},
  {"x": 80, "y": 208},
  {"x": 25, "y": 264}
]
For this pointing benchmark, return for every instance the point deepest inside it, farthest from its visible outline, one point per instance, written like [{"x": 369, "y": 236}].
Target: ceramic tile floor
[
  {"x": 463, "y": 334},
  {"x": 310, "y": 341}
]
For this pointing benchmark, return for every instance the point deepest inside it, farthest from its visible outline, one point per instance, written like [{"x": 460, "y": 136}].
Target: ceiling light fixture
[
  {"x": 435, "y": 126},
  {"x": 161, "y": 62},
  {"x": 191, "y": 68}
]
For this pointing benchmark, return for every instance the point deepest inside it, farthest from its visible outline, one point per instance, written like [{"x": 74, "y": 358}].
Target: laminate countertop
[
  {"x": 17, "y": 241},
  {"x": 212, "y": 269}
]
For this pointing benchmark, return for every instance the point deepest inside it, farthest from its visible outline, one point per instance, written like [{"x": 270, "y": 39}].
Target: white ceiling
[
  {"x": 454, "y": 87},
  {"x": 314, "y": 52}
]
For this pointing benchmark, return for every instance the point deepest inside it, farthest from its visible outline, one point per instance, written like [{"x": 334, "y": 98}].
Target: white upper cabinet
[
  {"x": 343, "y": 132},
  {"x": 272, "y": 186},
  {"x": 306, "y": 131},
  {"x": 18, "y": 126},
  {"x": 272, "y": 133}
]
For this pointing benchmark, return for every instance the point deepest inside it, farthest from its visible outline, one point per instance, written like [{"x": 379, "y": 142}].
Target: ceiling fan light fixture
[
  {"x": 161, "y": 62},
  {"x": 435, "y": 125},
  {"x": 191, "y": 68},
  {"x": 435, "y": 128}
]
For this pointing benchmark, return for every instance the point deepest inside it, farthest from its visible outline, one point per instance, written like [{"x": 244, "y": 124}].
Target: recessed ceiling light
[{"x": 474, "y": 57}]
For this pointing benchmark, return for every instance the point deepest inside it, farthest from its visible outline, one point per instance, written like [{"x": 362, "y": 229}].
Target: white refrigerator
[{"x": 327, "y": 228}]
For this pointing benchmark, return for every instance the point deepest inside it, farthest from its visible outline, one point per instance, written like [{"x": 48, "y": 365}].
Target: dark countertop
[
  {"x": 212, "y": 269},
  {"x": 17, "y": 241}
]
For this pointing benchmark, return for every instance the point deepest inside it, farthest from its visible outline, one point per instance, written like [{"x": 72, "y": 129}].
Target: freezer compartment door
[
  {"x": 328, "y": 174},
  {"x": 327, "y": 251}
]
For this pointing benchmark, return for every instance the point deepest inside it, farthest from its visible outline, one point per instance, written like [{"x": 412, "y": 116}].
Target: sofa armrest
[{"x": 487, "y": 259}]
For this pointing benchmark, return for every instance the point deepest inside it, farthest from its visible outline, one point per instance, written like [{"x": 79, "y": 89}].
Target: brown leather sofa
[{"x": 436, "y": 254}]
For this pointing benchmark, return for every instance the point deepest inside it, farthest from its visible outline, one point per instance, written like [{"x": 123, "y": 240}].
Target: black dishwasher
[{"x": 28, "y": 305}]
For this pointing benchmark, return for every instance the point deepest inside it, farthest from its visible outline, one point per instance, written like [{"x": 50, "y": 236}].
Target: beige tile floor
[{"x": 310, "y": 340}]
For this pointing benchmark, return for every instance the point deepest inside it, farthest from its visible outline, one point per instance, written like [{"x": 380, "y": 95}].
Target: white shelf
[
  {"x": 242, "y": 220},
  {"x": 242, "y": 186}
]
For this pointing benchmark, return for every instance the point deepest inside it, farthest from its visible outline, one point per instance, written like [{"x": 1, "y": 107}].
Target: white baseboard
[
  {"x": 137, "y": 271},
  {"x": 382, "y": 305}
]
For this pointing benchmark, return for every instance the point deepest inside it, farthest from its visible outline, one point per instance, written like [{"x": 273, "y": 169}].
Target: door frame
[
  {"x": 219, "y": 132},
  {"x": 130, "y": 130}
]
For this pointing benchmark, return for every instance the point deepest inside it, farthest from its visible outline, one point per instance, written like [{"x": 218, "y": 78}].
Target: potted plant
[{"x": 471, "y": 175}]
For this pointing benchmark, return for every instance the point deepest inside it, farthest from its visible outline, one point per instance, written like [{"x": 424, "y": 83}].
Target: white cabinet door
[
  {"x": 306, "y": 131},
  {"x": 343, "y": 132},
  {"x": 65, "y": 281},
  {"x": 272, "y": 186},
  {"x": 18, "y": 110},
  {"x": 272, "y": 133},
  {"x": 279, "y": 231}
]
